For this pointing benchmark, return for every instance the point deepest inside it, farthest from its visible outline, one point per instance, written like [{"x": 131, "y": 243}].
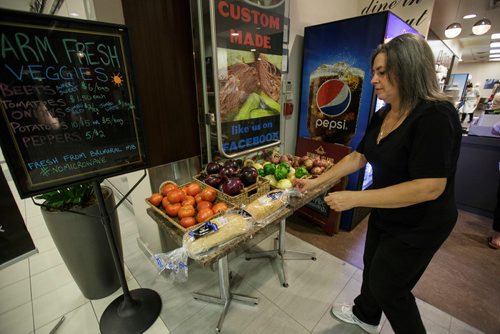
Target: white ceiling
[{"x": 474, "y": 48}]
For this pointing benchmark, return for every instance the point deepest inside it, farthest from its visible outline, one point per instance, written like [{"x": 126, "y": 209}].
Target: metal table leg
[
  {"x": 225, "y": 296},
  {"x": 282, "y": 252}
]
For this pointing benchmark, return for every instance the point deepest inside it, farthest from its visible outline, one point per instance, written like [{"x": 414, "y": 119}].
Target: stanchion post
[{"x": 136, "y": 310}]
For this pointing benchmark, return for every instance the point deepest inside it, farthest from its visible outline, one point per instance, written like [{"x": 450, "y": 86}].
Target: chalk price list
[
  {"x": 95, "y": 102},
  {"x": 67, "y": 112},
  {"x": 66, "y": 102}
]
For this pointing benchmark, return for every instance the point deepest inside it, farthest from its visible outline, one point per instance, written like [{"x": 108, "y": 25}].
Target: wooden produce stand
[{"x": 220, "y": 255}]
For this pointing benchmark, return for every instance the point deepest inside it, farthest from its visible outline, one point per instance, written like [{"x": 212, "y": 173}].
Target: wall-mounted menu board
[{"x": 67, "y": 104}]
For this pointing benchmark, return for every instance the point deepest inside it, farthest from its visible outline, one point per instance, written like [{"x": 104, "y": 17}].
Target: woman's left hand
[{"x": 341, "y": 200}]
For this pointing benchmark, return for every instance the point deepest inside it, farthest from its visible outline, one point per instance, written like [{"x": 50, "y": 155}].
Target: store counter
[{"x": 477, "y": 174}]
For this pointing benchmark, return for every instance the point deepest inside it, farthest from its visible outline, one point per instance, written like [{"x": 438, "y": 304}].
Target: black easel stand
[{"x": 134, "y": 311}]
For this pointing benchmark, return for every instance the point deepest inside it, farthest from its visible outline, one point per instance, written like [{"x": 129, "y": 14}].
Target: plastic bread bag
[
  {"x": 267, "y": 205},
  {"x": 295, "y": 192},
  {"x": 214, "y": 233},
  {"x": 175, "y": 261}
]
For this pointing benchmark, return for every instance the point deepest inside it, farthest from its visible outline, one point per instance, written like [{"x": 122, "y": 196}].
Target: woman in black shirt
[{"x": 413, "y": 145}]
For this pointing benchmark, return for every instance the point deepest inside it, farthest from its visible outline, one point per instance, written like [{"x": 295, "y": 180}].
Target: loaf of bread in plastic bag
[
  {"x": 229, "y": 226},
  {"x": 267, "y": 204}
]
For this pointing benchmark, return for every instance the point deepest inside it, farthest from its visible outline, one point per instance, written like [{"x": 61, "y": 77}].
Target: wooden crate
[
  {"x": 174, "y": 220},
  {"x": 247, "y": 195}
]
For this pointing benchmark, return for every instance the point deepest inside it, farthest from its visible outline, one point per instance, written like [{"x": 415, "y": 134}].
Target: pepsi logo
[{"x": 333, "y": 97}]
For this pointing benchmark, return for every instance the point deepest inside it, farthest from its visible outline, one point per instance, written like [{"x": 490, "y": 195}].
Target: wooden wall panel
[{"x": 162, "y": 60}]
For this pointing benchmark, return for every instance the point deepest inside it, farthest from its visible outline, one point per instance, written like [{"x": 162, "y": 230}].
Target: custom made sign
[
  {"x": 67, "y": 103},
  {"x": 249, "y": 37}
]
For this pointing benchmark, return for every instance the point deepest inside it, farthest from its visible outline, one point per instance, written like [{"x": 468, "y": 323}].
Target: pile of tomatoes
[{"x": 189, "y": 203}]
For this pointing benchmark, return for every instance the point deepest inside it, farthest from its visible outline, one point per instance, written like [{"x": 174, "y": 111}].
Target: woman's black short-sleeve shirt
[{"x": 425, "y": 145}]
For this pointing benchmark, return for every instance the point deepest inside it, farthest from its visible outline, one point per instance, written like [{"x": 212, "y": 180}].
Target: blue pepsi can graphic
[{"x": 334, "y": 94}]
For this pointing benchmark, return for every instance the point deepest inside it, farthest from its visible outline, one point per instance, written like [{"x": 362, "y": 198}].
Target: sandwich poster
[{"x": 249, "y": 63}]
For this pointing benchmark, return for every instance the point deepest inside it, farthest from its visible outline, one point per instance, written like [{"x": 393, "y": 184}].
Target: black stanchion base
[{"x": 136, "y": 316}]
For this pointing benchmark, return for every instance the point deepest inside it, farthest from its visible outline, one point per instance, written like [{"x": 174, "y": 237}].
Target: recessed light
[
  {"x": 469, "y": 16},
  {"x": 495, "y": 36},
  {"x": 495, "y": 59},
  {"x": 74, "y": 14},
  {"x": 495, "y": 45},
  {"x": 495, "y": 51},
  {"x": 235, "y": 34},
  {"x": 495, "y": 56}
]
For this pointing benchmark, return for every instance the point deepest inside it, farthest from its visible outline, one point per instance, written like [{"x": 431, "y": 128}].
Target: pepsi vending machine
[{"x": 337, "y": 99}]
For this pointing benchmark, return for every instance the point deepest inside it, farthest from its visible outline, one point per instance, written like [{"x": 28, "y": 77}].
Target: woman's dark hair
[{"x": 410, "y": 65}]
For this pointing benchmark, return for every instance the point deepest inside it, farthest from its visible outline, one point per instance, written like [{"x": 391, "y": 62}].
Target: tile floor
[{"x": 36, "y": 292}]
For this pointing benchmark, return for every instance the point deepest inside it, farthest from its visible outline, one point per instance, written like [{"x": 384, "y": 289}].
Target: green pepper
[
  {"x": 281, "y": 172},
  {"x": 269, "y": 169},
  {"x": 261, "y": 172},
  {"x": 285, "y": 165},
  {"x": 300, "y": 172}
]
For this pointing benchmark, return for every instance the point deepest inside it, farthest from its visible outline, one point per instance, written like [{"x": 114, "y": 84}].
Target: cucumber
[
  {"x": 258, "y": 113},
  {"x": 252, "y": 102},
  {"x": 270, "y": 102}
]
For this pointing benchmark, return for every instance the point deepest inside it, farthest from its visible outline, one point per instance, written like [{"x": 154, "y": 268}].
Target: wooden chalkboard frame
[{"x": 83, "y": 124}]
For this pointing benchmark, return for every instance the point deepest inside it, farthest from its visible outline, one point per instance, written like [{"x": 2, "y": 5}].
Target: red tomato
[
  {"x": 187, "y": 222},
  {"x": 193, "y": 189},
  {"x": 176, "y": 196},
  {"x": 186, "y": 211},
  {"x": 167, "y": 187},
  {"x": 219, "y": 207},
  {"x": 208, "y": 194},
  {"x": 189, "y": 200},
  {"x": 155, "y": 199},
  {"x": 204, "y": 214},
  {"x": 172, "y": 209},
  {"x": 203, "y": 204},
  {"x": 165, "y": 202},
  {"x": 197, "y": 198}
]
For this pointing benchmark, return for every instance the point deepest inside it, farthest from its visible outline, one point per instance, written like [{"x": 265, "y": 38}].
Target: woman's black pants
[{"x": 391, "y": 270}]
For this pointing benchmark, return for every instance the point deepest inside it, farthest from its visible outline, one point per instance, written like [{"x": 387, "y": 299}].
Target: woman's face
[{"x": 386, "y": 90}]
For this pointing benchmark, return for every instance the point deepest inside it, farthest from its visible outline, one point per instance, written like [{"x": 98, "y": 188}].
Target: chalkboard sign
[{"x": 67, "y": 102}]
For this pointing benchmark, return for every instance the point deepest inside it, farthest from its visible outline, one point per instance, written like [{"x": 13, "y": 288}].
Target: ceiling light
[
  {"x": 470, "y": 16},
  {"x": 481, "y": 27},
  {"x": 495, "y": 51},
  {"x": 495, "y": 59},
  {"x": 495, "y": 45},
  {"x": 495, "y": 36},
  {"x": 495, "y": 56},
  {"x": 453, "y": 30},
  {"x": 74, "y": 14}
]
